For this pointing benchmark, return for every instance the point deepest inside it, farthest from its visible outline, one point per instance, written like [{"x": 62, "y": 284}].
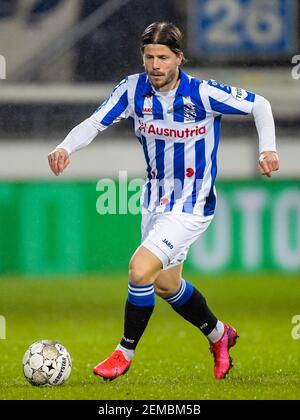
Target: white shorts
[{"x": 170, "y": 235}]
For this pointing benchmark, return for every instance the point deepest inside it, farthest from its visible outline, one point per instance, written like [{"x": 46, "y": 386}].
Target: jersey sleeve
[
  {"x": 224, "y": 99},
  {"x": 113, "y": 109}
]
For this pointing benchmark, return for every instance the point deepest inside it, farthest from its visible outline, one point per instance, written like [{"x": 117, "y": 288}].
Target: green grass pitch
[{"x": 172, "y": 360}]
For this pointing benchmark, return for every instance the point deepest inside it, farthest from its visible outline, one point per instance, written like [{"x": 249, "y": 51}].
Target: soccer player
[{"x": 176, "y": 119}]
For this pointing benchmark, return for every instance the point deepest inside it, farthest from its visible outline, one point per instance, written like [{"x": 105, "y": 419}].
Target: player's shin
[
  {"x": 191, "y": 305},
  {"x": 138, "y": 309}
]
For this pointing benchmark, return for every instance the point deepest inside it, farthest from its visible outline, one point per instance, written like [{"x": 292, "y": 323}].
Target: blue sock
[
  {"x": 191, "y": 305},
  {"x": 141, "y": 295},
  {"x": 184, "y": 293}
]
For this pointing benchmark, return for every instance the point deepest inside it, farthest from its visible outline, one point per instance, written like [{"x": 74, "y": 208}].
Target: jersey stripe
[
  {"x": 224, "y": 108},
  {"x": 139, "y": 99},
  {"x": 210, "y": 202},
  {"x": 199, "y": 173},
  {"x": 157, "y": 109},
  {"x": 196, "y": 99},
  {"x": 160, "y": 166},
  {"x": 116, "y": 111},
  {"x": 250, "y": 97},
  {"x": 178, "y": 109},
  {"x": 179, "y": 173},
  {"x": 147, "y": 194}
]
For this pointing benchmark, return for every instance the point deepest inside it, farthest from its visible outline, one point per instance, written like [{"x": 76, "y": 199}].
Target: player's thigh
[
  {"x": 172, "y": 235},
  {"x": 144, "y": 266},
  {"x": 168, "y": 281}
]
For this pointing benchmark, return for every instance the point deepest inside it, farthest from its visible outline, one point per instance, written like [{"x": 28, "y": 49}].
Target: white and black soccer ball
[{"x": 47, "y": 362}]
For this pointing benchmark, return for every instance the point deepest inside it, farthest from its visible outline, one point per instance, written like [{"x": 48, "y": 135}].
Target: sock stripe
[
  {"x": 140, "y": 289},
  {"x": 174, "y": 298},
  {"x": 141, "y": 295},
  {"x": 138, "y": 286},
  {"x": 184, "y": 293}
]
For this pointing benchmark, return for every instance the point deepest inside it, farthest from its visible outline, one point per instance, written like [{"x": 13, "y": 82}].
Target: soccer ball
[{"x": 47, "y": 362}]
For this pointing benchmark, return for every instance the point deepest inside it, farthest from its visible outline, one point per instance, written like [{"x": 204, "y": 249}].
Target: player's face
[{"x": 162, "y": 66}]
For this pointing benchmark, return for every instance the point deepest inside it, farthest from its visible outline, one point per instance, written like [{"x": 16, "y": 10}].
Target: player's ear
[
  {"x": 143, "y": 57},
  {"x": 180, "y": 58}
]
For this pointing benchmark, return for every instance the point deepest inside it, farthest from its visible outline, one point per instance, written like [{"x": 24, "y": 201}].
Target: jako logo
[{"x": 165, "y": 241}]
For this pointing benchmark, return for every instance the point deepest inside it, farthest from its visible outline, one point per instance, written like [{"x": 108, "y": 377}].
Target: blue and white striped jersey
[{"x": 179, "y": 139}]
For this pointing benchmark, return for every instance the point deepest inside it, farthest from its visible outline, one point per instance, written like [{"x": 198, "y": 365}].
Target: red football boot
[
  {"x": 112, "y": 367},
  {"x": 220, "y": 350}
]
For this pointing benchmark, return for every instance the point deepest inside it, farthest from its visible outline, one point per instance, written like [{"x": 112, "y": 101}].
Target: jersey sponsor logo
[
  {"x": 165, "y": 241},
  {"x": 147, "y": 110},
  {"x": 170, "y": 132},
  {"x": 239, "y": 93}
]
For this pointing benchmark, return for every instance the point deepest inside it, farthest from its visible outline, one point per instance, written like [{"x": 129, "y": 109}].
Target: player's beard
[{"x": 168, "y": 79}]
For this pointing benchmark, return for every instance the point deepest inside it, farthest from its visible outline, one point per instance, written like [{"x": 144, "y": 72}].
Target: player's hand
[
  {"x": 268, "y": 162},
  {"x": 58, "y": 160}
]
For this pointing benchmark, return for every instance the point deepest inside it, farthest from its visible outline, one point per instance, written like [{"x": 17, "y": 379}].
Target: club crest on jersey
[{"x": 189, "y": 111}]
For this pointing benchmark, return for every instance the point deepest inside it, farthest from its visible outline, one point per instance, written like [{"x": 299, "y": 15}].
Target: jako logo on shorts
[{"x": 165, "y": 241}]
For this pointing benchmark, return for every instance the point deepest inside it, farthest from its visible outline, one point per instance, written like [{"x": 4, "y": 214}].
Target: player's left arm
[
  {"x": 224, "y": 99},
  {"x": 264, "y": 121}
]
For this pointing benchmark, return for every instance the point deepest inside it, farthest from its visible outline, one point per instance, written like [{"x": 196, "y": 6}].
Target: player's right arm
[{"x": 112, "y": 110}]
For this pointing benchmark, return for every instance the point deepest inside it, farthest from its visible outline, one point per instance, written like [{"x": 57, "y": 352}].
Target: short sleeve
[
  {"x": 226, "y": 99},
  {"x": 114, "y": 108}
]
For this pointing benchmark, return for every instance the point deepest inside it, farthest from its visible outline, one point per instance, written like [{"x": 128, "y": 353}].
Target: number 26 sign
[{"x": 252, "y": 27}]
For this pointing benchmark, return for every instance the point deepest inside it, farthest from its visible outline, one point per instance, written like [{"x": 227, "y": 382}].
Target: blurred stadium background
[
  {"x": 59, "y": 59},
  {"x": 62, "y": 59}
]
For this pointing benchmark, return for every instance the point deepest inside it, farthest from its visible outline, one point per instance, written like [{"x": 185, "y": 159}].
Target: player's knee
[{"x": 139, "y": 275}]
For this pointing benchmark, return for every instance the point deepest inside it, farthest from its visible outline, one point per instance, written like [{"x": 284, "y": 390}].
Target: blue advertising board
[{"x": 243, "y": 27}]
